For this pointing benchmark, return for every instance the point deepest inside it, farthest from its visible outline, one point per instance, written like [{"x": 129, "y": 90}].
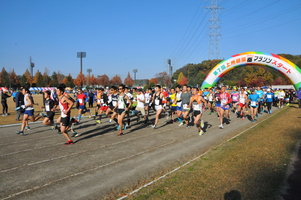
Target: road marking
[{"x": 176, "y": 169}]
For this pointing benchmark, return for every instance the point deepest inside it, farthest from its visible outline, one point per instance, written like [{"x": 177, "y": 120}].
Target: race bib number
[
  {"x": 157, "y": 102},
  {"x": 120, "y": 105},
  {"x": 114, "y": 103},
  {"x": 196, "y": 106},
  {"x": 253, "y": 103},
  {"x": 47, "y": 108},
  {"x": 224, "y": 101},
  {"x": 269, "y": 96},
  {"x": 242, "y": 100},
  {"x": 185, "y": 106},
  {"x": 179, "y": 104},
  {"x": 234, "y": 98},
  {"x": 80, "y": 101}
]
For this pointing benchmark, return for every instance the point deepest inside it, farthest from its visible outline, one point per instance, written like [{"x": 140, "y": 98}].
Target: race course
[{"x": 39, "y": 166}]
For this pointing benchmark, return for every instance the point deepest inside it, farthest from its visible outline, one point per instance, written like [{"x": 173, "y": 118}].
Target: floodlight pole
[{"x": 81, "y": 55}]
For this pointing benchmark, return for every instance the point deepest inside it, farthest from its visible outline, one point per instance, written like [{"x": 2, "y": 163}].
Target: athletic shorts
[
  {"x": 158, "y": 107},
  {"x": 29, "y": 112},
  {"x": 225, "y": 108},
  {"x": 141, "y": 110},
  {"x": 218, "y": 105},
  {"x": 65, "y": 121},
  {"x": 81, "y": 107},
  {"x": 173, "y": 108},
  {"x": 98, "y": 106},
  {"x": 253, "y": 106},
  {"x": 120, "y": 111},
  {"x": 196, "y": 113},
  {"x": 50, "y": 115},
  {"x": 178, "y": 108},
  {"x": 241, "y": 105},
  {"x": 104, "y": 108}
]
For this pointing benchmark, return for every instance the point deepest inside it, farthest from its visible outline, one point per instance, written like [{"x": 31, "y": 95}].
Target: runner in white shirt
[{"x": 140, "y": 105}]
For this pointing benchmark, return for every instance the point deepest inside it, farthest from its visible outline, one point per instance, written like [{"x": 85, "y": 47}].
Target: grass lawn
[{"x": 251, "y": 166}]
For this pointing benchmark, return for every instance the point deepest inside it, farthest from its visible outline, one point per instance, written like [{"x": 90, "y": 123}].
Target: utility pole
[{"x": 214, "y": 30}]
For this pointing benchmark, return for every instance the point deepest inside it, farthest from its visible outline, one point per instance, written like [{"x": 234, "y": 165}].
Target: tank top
[
  {"x": 26, "y": 102},
  {"x": 64, "y": 106}
]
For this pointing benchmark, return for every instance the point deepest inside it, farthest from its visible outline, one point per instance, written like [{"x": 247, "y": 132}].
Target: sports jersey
[
  {"x": 81, "y": 99},
  {"x": 254, "y": 98}
]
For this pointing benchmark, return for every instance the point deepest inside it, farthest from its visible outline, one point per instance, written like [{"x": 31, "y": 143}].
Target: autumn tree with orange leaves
[
  {"x": 129, "y": 81},
  {"x": 79, "y": 81},
  {"x": 116, "y": 80},
  {"x": 103, "y": 80}
]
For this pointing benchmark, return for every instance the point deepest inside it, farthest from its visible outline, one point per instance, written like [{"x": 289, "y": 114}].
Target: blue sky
[{"x": 121, "y": 35}]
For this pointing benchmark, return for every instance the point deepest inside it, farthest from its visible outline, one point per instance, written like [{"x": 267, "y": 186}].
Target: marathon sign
[{"x": 278, "y": 63}]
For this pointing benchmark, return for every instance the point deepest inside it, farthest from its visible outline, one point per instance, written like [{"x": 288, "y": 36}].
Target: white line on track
[
  {"x": 176, "y": 169},
  {"x": 95, "y": 168},
  {"x": 59, "y": 157}
]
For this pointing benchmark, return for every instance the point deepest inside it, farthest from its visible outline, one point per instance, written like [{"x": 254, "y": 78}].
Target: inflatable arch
[{"x": 284, "y": 66}]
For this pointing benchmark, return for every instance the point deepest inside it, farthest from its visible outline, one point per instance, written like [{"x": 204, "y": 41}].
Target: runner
[
  {"x": 241, "y": 110},
  {"x": 121, "y": 108},
  {"x": 225, "y": 100},
  {"x": 102, "y": 104},
  {"x": 65, "y": 107},
  {"x": 281, "y": 95},
  {"x": 81, "y": 104},
  {"x": 269, "y": 98},
  {"x": 260, "y": 93},
  {"x": 157, "y": 100},
  {"x": 178, "y": 101},
  {"x": 4, "y": 97},
  {"x": 113, "y": 98},
  {"x": 28, "y": 111},
  {"x": 50, "y": 107},
  {"x": 196, "y": 102},
  {"x": 235, "y": 97},
  {"x": 148, "y": 97},
  {"x": 254, "y": 100},
  {"x": 185, "y": 97},
  {"x": 140, "y": 106},
  {"x": 173, "y": 105}
]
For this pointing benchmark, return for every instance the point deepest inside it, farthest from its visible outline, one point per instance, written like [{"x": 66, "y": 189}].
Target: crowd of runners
[{"x": 122, "y": 106}]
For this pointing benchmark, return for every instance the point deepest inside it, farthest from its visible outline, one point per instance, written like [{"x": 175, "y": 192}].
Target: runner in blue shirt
[
  {"x": 254, "y": 100},
  {"x": 269, "y": 98}
]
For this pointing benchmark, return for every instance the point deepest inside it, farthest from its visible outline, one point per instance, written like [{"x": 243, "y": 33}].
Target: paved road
[{"x": 38, "y": 166}]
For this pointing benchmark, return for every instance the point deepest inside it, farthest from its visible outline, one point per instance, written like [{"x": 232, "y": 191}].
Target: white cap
[{"x": 268, "y": 89}]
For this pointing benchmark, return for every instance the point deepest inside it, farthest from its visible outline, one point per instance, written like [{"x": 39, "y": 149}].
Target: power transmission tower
[
  {"x": 214, "y": 30},
  {"x": 31, "y": 64}
]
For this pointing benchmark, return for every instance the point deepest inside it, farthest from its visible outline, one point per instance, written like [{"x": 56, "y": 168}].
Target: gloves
[{"x": 23, "y": 106}]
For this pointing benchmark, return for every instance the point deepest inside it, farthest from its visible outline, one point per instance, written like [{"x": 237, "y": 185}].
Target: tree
[
  {"x": 68, "y": 81},
  {"x": 54, "y": 81},
  {"x": 14, "y": 81},
  {"x": 38, "y": 79},
  {"x": 24, "y": 82},
  {"x": 153, "y": 80},
  {"x": 46, "y": 78},
  {"x": 163, "y": 78},
  {"x": 28, "y": 77},
  {"x": 93, "y": 80},
  {"x": 60, "y": 77},
  {"x": 182, "y": 80},
  {"x": 4, "y": 78},
  {"x": 79, "y": 81},
  {"x": 278, "y": 81},
  {"x": 116, "y": 80},
  {"x": 103, "y": 80},
  {"x": 129, "y": 81}
]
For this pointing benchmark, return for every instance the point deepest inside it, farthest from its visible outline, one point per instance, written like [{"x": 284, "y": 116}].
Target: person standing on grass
[
  {"x": 4, "y": 97},
  {"x": 299, "y": 97},
  {"x": 28, "y": 110},
  {"x": 65, "y": 107}
]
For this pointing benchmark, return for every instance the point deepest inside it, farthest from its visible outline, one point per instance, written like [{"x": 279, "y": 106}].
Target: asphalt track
[{"x": 39, "y": 166}]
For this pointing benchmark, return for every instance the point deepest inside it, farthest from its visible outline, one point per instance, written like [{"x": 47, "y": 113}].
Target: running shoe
[
  {"x": 187, "y": 126},
  {"x": 138, "y": 119},
  {"x": 256, "y": 115},
  {"x": 202, "y": 123},
  {"x": 252, "y": 120},
  {"x": 153, "y": 126},
  {"x": 201, "y": 132},
  {"x": 73, "y": 134},
  {"x": 98, "y": 121},
  {"x": 27, "y": 128},
  {"x": 118, "y": 127},
  {"x": 68, "y": 142},
  {"x": 110, "y": 120},
  {"x": 124, "y": 126},
  {"x": 86, "y": 111},
  {"x": 242, "y": 118},
  {"x": 181, "y": 124},
  {"x": 287, "y": 104},
  {"x": 221, "y": 126},
  {"x": 77, "y": 134},
  {"x": 20, "y": 132}
]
